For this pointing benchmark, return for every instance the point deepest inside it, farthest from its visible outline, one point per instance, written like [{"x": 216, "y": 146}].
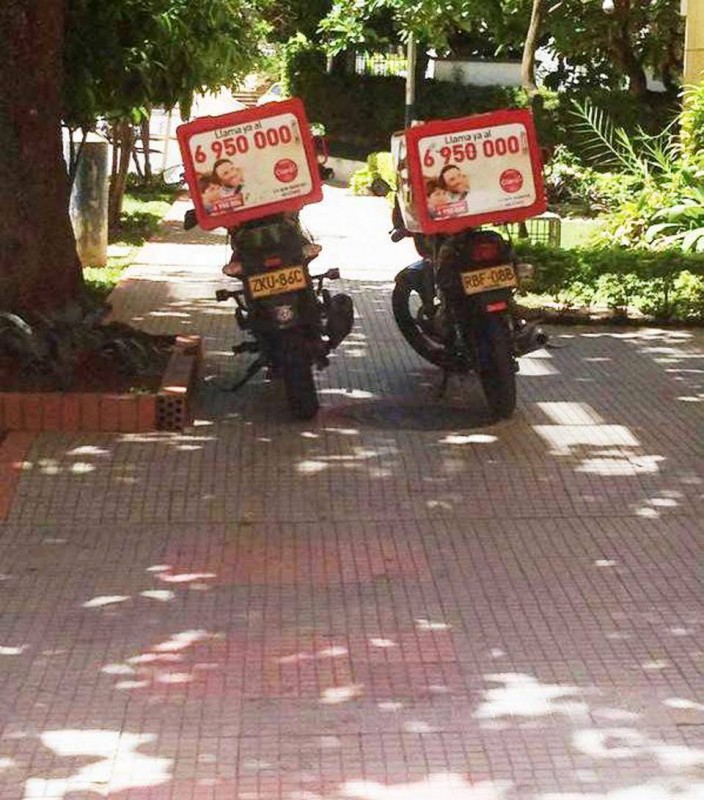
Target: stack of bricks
[{"x": 118, "y": 413}]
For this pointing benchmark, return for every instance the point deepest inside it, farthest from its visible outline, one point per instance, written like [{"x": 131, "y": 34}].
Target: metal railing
[{"x": 392, "y": 63}]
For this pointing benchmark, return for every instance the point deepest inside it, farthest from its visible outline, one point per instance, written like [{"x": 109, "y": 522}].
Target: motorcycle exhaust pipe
[{"x": 529, "y": 339}]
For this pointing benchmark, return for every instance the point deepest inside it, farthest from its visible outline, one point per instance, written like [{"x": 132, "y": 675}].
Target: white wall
[
  {"x": 494, "y": 73},
  {"x": 477, "y": 73}
]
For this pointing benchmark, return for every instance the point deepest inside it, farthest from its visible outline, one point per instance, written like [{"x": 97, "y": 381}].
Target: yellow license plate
[
  {"x": 290, "y": 279},
  {"x": 502, "y": 276}
]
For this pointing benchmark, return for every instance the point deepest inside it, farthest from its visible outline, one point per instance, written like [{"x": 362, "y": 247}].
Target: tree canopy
[
  {"x": 127, "y": 55},
  {"x": 286, "y": 18},
  {"x": 589, "y": 46},
  {"x": 602, "y": 49},
  {"x": 77, "y": 61}
]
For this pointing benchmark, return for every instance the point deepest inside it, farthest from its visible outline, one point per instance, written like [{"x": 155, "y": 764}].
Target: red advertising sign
[
  {"x": 472, "y": 171},
  {"x": 250, "y": 163}
]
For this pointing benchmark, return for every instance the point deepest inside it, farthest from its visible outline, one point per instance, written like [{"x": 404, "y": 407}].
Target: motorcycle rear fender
[
  {"x": 419, "y": 276},
  {"x": 491, "y": 302},
  {"x": 480, "y": 324}
]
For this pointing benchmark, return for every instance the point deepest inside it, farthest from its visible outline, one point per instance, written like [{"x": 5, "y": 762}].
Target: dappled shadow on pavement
[{"x": 395, "y": 600}]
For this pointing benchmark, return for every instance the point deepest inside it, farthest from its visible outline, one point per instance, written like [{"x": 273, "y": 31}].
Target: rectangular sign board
[
  {"x": 250, "y": 163},
  {"x": 462, "y": 173}
]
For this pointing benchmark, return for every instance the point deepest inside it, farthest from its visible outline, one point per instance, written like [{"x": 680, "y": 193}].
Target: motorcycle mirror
[
  {"x": 379, "y": 187},
  {"x": 189, "y": 219},
  {"x": 525, "y": 272},
  {"x": 333, "y": 274},
  {"x": 320, "y": 144},
  {"x": 174, "y": 175}
]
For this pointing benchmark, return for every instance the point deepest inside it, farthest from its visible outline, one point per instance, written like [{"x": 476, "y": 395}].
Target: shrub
[
  {"x": 681, "y": 224},
  {"x": 301, "y": 61},
  {"x": 667, "y": 284},
  {"x": 627, "y": 223},
  {"x": 692, "y": 124},
  {"x": 379, "y": 166},
  {"x": 666, "y": 174}
]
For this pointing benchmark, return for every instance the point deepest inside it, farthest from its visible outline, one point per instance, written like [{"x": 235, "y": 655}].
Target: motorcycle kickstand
[
  {"x": 442, "y": 390},
  {"x": 252, "y": 370}
]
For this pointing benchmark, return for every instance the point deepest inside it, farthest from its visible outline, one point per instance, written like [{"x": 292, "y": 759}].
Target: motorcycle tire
[
  {"x": 497, "y": 371},
  {"x": 429, "y": 347},
  {"x": 297, "y": 374},
  {"x": 340, "y": 318}
]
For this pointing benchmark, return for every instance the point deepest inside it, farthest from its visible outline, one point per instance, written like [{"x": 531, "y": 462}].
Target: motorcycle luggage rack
[{"x": 544, "y": 229}]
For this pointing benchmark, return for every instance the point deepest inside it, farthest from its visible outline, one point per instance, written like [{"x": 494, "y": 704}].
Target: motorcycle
[
  {"x": 455, "y": 308},
  {"x": 290, "y": 321}
]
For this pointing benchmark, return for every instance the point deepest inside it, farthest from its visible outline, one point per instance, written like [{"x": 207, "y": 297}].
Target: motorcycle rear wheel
[
  {"x": 497, "y": 369},
  {"x": 407, "y": 307},
  {"x": 297, "y": 374}
]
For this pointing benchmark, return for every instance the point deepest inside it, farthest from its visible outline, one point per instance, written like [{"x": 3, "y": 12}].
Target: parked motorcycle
[
  {"x": 455, "y": 308},
  {"x": 251, "y": 171},
  {"x": 290, "y": 321}
]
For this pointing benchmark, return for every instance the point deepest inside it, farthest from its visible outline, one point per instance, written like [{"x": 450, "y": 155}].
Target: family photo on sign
[
  {"x": 249, "y": 163},
  {"x": 446, "y": 195},
  {"x": 221, "y": 189}
]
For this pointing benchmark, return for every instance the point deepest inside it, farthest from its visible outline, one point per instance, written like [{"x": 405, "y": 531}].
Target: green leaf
[{"x": 693, "y": 240}]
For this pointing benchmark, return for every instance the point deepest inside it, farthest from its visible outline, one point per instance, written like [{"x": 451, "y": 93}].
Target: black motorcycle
[
  {"x": 455, "y": 308},
  {"x": 289, "y": 320}
]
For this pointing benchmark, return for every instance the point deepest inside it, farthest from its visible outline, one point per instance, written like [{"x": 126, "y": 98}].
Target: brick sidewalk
[{"x": 394, "y": 602}]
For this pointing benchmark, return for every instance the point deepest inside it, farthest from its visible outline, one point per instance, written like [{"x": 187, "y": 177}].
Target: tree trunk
[
  {"x": 122, "y": 143},
  {"x": 340, "y": 63},
  {"x": 145, "y": 136},
  {"x": 39, "y": 268},
  {"x": 631, "y": 66},
  {"x": 529, "y": 48},
  {"x": 623, "y": 52}
]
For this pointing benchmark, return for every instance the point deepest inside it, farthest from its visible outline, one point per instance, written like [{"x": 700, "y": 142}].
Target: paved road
[{"x": 397, "y": 601}]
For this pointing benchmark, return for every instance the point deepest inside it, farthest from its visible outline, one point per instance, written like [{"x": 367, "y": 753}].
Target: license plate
[
  {"x": 502, "y": 276},
  {"x": 290, "y": 279}
]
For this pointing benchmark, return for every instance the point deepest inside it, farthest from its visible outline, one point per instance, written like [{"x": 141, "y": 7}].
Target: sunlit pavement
[{"x": 397, "y": 601}]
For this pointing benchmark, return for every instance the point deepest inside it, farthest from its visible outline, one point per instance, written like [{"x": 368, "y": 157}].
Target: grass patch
[
  {"x": 143, "y": 209},
  {"x": 577, "y": 231}
]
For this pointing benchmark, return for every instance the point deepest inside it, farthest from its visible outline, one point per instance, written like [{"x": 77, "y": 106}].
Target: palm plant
[
  {"x": 667, "y": 207},
  {"x": 680, "y": 225},
  {"x": 639, "y": 154}
]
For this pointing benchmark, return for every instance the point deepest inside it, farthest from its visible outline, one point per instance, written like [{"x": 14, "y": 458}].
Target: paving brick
[
  {"x": 146, "y": 413},
  {"x": 90, "y": 411},
  {"x": 51, "y": 417},
  {"x": 110, "y": 413},
  {"x": 12, "y": 411},
  {"x": 32, "y": 412},
  {"x": 395, "y": 600},
  {"x": 70, "y": 412}
]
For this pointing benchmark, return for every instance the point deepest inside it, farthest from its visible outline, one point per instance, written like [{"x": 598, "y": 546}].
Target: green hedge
[
  {"x": 360, "y": 112},
  {"x": 378, "y": 166},
  {"x": 665, "y": 285}
]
